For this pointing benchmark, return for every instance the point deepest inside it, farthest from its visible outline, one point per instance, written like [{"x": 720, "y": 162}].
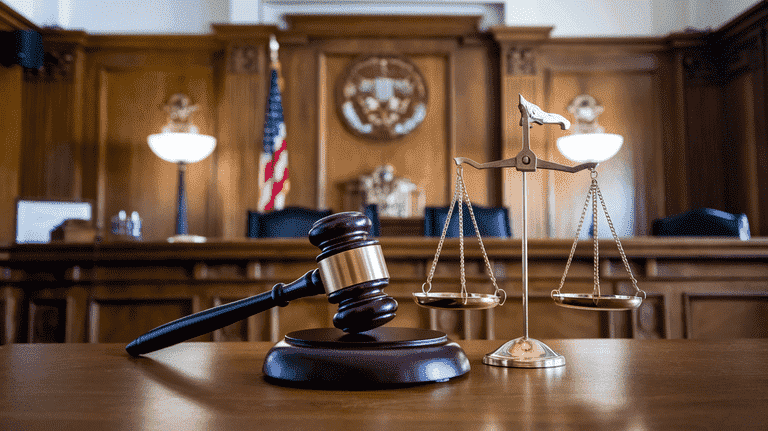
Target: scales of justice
[
  {"x": 359, "y": 352},
  {"x": 526, "y": 352}
]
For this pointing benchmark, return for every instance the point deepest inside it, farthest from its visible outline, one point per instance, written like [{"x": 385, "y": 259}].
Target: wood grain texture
[
  {"x": 384, "y": 26},
  {"x": 420, "y": 156},
  {"x": 115, "y": 292},
  {"x": 681, "y": 102},
  {"x": 11, "y": 20},
  {"x": 605, "y": 384},
  {"x": 10, "y": 149}
]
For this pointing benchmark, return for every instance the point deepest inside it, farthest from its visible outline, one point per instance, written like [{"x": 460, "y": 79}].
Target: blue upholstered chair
[
  {"x": 703, "y": 222},
  {"x": 492, "y": 222},
  {"x": 372, "y": 212},
  {"x": 290, "y": 222}
]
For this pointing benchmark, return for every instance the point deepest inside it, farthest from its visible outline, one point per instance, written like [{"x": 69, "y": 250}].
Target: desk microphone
[{"x": 351, "y": 272}]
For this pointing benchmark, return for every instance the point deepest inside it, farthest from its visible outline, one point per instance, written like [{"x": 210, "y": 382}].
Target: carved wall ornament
[
  {"x": 395, "y": 196},
  {"x": 521, "y": 61},
  {"x": 585, "y": 110},
  {"x": 701, "y": 67},
  {"x": 57, "y": 64},
  {"x": 180, "y": 108},
  {"x": 381, "y": 97},
  {"x": 244, "y": 59}
]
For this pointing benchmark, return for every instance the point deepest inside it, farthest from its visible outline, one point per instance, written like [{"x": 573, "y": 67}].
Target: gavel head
[{"x": 353, "y": 271}]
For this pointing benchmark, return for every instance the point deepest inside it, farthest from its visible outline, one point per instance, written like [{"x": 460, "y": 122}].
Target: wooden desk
[{"x": 606, "y": 384}]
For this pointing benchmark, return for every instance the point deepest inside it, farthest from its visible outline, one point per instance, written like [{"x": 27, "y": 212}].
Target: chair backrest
[
  {"x": 491, "y": 221},
  {"x": 290, "y": 222},
  {"x": 372, "y": 212},
  {"x": 703, "y": 222}
]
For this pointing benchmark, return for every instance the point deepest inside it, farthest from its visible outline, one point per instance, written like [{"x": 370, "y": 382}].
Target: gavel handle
[{"x": 214, "y": 318}]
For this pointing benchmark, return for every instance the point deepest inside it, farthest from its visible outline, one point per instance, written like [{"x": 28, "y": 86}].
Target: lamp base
[
  {"x": 524, "y": 353},
  {"x": 187, "y": 238},
  {"x": 327, "y": 358}
]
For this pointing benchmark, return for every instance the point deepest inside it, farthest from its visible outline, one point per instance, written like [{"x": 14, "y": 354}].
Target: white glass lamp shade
[
  {"x": 181, "y": 147},
  {"x": 590, "y": 147}
]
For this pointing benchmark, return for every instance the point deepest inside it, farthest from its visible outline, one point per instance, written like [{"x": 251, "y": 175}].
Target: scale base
[
  {"x": 524, "y": 353},
  {"x": 328, "y": 358}
]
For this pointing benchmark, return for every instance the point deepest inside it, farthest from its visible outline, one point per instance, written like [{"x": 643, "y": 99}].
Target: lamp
[
  {"x": 587, "y": 142},
  {"x": 180, "y": 143}
]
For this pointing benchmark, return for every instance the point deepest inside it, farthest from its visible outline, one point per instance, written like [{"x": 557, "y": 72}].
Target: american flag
[{"x": 273, "y": 163}]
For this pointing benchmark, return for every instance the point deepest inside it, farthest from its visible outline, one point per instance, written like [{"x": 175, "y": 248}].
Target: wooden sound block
[{"x": 328, "y": 358}]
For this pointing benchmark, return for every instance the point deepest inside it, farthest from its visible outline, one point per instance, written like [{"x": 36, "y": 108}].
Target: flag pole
[
  {"x": 274, "y": 47},
  {"x": 273, "y": 161}
]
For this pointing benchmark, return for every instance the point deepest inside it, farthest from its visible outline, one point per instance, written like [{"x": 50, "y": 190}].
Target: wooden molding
[
  {"x": 12, "y": 20},
  {"x": 153, "y": 42},
  {"x": 61, "y": 50},
  {"x": 246, "y": 46},
  {"x": 608, "y": 43},
  {"x": 58, "y": 64},
  {"x": 237, "y": 32},
  {"x": 520, "y": 34},
  {"x": 686, "y": 39},
  {"x": 64, "y": 37},
  {"x": 755, "y": 16},
  {"x": 398, "y": 26},
  {"x": 745, "y": 55}
]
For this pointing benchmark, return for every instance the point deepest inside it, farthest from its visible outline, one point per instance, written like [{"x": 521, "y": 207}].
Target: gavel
[{"x": 351, "y": 272}]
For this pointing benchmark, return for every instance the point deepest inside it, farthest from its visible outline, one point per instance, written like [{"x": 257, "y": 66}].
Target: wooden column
[
  {"x": 521, "y": 73},
  {"x": 11, "y": 132},
  {"x": 53, "y": 123},
  {"x": 242, "y": 88}
]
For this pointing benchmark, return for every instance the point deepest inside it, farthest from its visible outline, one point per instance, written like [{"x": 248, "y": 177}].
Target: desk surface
[{"x": 606, "y": 384}]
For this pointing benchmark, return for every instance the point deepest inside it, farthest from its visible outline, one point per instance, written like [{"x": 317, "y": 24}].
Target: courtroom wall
[{"x": 85, "y": 118}]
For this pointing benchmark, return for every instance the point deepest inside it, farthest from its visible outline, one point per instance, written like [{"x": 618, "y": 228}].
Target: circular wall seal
[{"x": 382, "y": 97}]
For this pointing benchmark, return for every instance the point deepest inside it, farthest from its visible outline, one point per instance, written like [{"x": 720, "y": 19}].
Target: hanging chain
[
  {"x": 596, "y": 250},
  {"x": 497, "y": 291},
  {"x": 575, "y": 241},
  {"x": 461, "y": 195},
  {"x": 621, "y": 249},
  {"x": 595, "y": 194},
  {"x": 427, "y": 286},
  {"x": 461, "y": 190}
]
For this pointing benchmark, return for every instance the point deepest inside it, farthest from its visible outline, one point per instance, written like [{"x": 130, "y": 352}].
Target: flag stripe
[{"x": 273, "y": 169}]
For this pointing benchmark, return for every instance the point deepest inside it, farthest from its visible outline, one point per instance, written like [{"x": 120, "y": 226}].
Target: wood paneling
[
  {"x": 86, "y": 120},
  {"x": 384, "y": 27},
  {"x": 726, "y": 316},
  {"x": 10, "y": 149},
  {"x": 623, "y": 75},
  {"x": 624, "y": 178},
  {"x": 420, "y": 156},
  {"x": 13, "y": 130},
  {"x": 51, "y": 165},
  {"x": 47, "y": 321},
  {"x": 695, "y": 288},
  {"x": 127, "y": 82},
  {"x": 108, "y": 317},
  {"x": 720, "y": 101},
  {"x": 12, "y": 20},
  {"x": 240, "y": 94},
  {"x": 137, "y": 180}
]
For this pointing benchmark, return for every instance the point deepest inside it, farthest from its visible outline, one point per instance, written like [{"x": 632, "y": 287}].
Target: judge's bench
[{"x": 113, "y": 292}]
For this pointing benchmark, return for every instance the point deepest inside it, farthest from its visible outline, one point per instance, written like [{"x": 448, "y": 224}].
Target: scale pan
[
  {"x": 455, "y": 301},
  {"x": 597, "y": 303}
]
